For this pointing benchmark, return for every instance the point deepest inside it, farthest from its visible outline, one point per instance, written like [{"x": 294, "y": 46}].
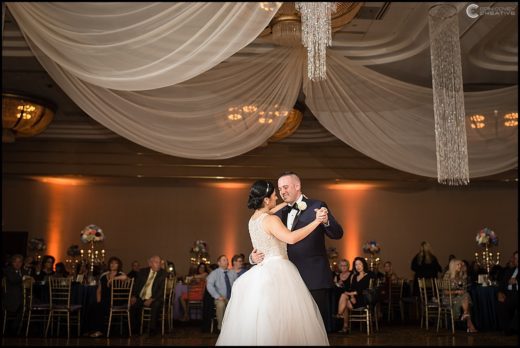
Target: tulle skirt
[{"x": 271, "y": 305}]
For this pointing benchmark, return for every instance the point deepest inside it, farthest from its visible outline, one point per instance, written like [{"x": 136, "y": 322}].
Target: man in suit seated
[
  {"x": 12, "y": 299},
  {"x": 148, "y": 291}
]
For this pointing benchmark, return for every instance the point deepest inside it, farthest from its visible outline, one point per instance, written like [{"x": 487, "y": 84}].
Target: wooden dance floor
[{"x": 190, "y": 334}]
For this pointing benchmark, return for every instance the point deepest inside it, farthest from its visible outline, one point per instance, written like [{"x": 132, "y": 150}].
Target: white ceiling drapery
[
  {"x": 140, "y": 46},
  {"x": 384, "y": 118},
  {"x": 392, "y": 121}
]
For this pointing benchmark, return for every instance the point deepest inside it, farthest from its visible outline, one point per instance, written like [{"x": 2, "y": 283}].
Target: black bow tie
[{"x": 291, "y": 207}]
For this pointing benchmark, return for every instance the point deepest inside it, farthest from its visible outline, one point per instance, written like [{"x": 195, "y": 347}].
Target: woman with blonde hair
[{"x": 459, "y": 295}]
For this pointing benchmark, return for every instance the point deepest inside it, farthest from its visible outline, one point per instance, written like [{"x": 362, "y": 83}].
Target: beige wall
[{"x": 139, "y": 221}]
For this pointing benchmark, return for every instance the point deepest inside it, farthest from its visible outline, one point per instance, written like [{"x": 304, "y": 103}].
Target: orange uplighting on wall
[
  {"x": 60, "y": 181},
  {"x": 351, "y": 186},
  {"x": 233, "y": 194},
  {"x": 229, "y": 185},
  {"x": 55, "y": 222},
  {"x": 352, "y": 196}
]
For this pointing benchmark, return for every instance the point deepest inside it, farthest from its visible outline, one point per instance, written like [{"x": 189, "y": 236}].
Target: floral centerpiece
[
  {"x": 371, "y": 247},
  {"x": 92, "y": 233},
  {"x": 37, "y": 244},
  {"x": 486, "y": 237},
  {"x": 199, "y": 252}
]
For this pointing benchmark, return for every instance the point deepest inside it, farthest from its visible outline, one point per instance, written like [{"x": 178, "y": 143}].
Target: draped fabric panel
[
  {"x": 190, "y": 119},
  {"x": 140, "y": 46},
  {"x": 146, "y": 75},
  {"x": 392, "y": 121}
]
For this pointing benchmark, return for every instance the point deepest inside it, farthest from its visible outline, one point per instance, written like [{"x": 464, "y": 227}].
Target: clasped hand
[{"x": 322, "y": 215}]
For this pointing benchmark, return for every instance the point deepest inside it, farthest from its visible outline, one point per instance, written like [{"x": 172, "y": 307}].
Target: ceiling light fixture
[{"x": 24, "y": 116}]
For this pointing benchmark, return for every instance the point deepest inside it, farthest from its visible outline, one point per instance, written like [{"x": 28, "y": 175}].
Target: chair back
[
  {"x": 169, "y": 290},
  {"x": 28, "y": 283},
  {"x": 395, "y": 291},
  {"x": 427, "y": 290},
  {"x": 121, "y": 292},
  {"x": 444, "y": 295},
  {"x": 59, "y": 292},
  {"x": 444, "y": 291},
  {"x": 196, "y": 290}
]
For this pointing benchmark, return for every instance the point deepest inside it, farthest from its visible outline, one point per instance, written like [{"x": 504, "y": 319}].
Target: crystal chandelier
[
  {"x": 448, "y": 96},
  {"x": 316, "y": 35}
]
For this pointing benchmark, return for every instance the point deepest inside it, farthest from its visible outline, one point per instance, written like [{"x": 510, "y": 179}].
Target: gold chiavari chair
[
  {"x": 166, "y": 313},
  {"x": 12, "y": 316},
  {"x": 120, "y": 295},
  {"x": 36, "y": 312},
  {"x": 444, "y": 295},
  {"x": 60, "y": 304},
  {"x": 429, "y": 300},
  {"x": 395, "y": 294},
  {"x": 367, "y": 314}
]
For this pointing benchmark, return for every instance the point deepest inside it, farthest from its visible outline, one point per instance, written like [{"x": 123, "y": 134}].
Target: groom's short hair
[{"x": 289, "y": 173}]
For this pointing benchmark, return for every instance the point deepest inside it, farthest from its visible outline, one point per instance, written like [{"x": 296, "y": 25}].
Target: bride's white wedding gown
[{"x": 270, "y": 304}]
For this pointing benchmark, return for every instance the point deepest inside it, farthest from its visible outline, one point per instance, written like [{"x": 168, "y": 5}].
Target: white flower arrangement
[
  {"x": 92, "y": 233},
  {"x": 486, "y": 236},
  {"x": 301, "y": 205}
]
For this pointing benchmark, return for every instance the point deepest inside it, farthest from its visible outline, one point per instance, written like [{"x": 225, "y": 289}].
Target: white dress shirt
[{"x": 293, "y": 213}]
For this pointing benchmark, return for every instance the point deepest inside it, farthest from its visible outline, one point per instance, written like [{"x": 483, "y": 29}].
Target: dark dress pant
[{"x": 324, "y": 300}]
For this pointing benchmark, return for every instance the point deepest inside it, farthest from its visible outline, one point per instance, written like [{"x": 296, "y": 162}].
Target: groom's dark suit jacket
[{"x": 310, "y": 254}]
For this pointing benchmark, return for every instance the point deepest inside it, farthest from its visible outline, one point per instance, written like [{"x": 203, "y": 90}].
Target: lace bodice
[{"x": 264, "y": 242}]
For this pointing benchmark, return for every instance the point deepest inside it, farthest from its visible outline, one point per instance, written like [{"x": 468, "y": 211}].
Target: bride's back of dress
[{"x": 267, "y": 243}]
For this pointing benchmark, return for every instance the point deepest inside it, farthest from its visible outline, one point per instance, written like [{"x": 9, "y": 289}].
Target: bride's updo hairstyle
[{"x": 259, "y": 190}]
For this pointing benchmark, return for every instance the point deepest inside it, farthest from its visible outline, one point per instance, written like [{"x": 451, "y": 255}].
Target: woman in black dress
[{"x": 357, "y": 283}]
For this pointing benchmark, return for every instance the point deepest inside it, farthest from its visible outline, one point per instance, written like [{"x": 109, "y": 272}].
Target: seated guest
[
  {"x": 29, "y": 265},
  {"x": 148, "y": 291},
  {"x": 81, "y": 273},
  {"x": 340, "y": 278},
  {"x": 135, "y": 269},
  {"x": 340, "y": 281},
  {"x": 459, "y": 292},
  {"x": 219, "y": 283},
  {"x": 508, "y": 298},
  {"x": 474, "y": 270},
  {"x": 196, "y": 288},
  {"x": 353, "y": 297},
  {"x": 97, "y": 315},
  {"x": 12, "y": 298},
  {"x": 389, "y": 276},
  {"x": 61, "y": 271},
  {"x": 45, "y": 270}
]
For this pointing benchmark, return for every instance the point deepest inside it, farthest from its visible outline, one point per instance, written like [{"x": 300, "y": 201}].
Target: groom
[{"x": 309, "y": 255}]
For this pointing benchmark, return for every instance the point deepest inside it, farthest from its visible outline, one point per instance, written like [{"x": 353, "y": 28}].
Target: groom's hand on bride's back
[{"x": 256, "y": 256}]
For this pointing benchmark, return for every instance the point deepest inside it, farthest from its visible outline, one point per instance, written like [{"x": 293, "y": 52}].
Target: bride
[{"x": 270, "y": 304}]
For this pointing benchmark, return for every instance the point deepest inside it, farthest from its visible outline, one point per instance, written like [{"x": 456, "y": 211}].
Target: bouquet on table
[
  {"x": 37, "y": 244},
  {"x": 486, "y": 236},
  {"x": 92, "y": 233},
  {"x": 199, "y": 252},
  {"x": 371, "y": 247}
]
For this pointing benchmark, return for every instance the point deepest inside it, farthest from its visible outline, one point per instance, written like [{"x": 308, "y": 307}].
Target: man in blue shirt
[{"x": 219, "y": 284}]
